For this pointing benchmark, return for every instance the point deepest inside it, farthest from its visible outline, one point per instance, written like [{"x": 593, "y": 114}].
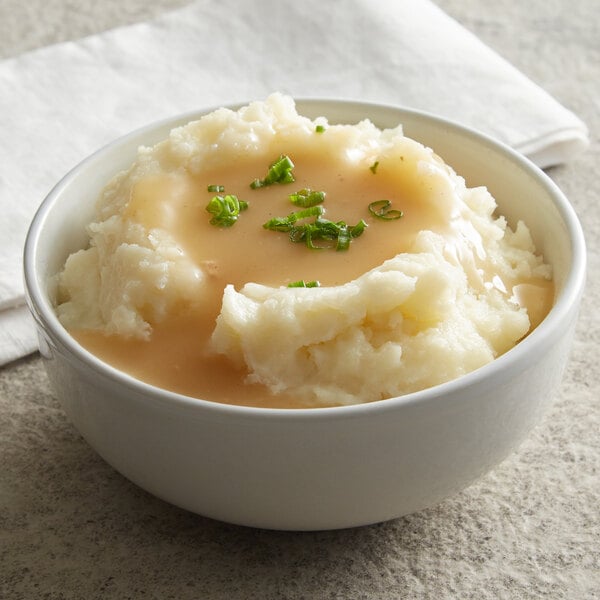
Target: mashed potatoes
[{"x": 206, "y": 309}]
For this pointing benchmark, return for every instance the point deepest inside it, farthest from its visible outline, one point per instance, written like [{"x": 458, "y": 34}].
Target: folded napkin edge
[
  {"x": 557, "y": 147},
  {"x": 18, "y": 337}
]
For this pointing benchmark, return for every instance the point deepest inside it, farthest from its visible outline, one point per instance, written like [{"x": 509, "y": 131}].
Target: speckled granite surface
[{"x": 70, "y": 527}]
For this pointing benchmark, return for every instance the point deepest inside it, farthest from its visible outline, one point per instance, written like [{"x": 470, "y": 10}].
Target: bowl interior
[{"x": 521, "y": 190}]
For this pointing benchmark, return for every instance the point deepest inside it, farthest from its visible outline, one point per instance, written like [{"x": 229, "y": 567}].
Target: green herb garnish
[
  {"x": 373, "y": 167},
  {"x": 307, "y": 197},
  {"x": 323, "y": 233},
  {"x": 225, "y": 210},
  {"x": 326, "y": 233},
  {"x": 304, "y": 284},
  {"x": 284, "y": 223},
  {"x": 216, "y": 188},
  {"x": 279, "y": 172},
  {"x": 319, "y": 128},
  {"x": 381, "y": 209}
]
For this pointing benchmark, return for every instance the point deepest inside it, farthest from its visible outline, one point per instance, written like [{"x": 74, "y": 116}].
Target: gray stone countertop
[{"x": 71, "y": 527}]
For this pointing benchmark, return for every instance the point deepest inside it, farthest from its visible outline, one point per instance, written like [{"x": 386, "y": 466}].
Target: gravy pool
[{"x": 175, "y": 357}]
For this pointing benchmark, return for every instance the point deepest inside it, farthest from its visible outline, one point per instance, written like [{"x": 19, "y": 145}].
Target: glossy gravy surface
[{"x": 175, "y": 357}]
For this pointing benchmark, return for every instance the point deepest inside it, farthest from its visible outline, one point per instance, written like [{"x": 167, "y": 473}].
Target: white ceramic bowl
[{"x": 314, "y": 468}]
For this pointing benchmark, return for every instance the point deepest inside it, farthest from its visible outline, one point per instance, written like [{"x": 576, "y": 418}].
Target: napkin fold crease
[{"x": 58, "y": 104}]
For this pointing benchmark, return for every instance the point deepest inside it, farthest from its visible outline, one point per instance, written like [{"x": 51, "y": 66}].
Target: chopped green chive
[
  {"x": 381, "y": 209},
  {"x": 319, "y": 128},
  {"x": 373, "y": 167},
  {"x": 358, "y": 229},
  {"x": 279, "y": 172},
  {"x": 307, "y": 197},
  {"x": 225, "y": 210},
  {"x": 319, "y": 233},
  {"x": 285, "y": 223},
  {"x": 216, "y": 188},
  {"x": 304, "y": 284}
]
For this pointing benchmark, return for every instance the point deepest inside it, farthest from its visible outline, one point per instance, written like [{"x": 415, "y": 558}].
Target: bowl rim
[{"x": 41, "y": 307}]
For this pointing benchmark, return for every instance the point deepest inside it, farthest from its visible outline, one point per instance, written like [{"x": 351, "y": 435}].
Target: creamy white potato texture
[{"x": 440, "y": 309}]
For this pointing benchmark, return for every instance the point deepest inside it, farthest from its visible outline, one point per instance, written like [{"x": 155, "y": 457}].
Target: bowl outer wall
[{"x": 320, "y": 468}]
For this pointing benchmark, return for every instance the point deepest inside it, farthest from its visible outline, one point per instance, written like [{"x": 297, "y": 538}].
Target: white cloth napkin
[{"x": 60, "y": 103}]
